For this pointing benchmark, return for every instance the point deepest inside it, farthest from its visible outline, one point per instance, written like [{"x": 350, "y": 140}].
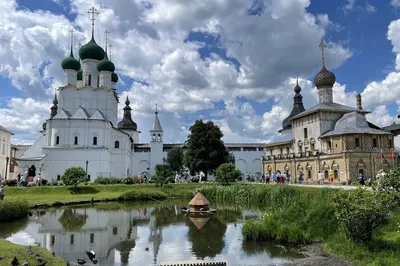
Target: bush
[
  {"x": 164, "y": 174},
  {"x": 227, "y": 173},
  {"x": 44, "y": 182},
  {"x": 108, "y": 180},
  {"x": 13, "y": 209},
  {"x": 11, "y": 182},
  {"x": 142, "y": 195},
  {"x": 73, "y": 176},
  {"x": 361, "y": 212}
]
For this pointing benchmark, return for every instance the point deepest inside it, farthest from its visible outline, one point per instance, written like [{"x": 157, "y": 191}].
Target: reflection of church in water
[{"x": 108, "y": 235}]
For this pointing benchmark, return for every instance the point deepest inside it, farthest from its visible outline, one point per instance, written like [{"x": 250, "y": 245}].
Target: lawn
[
  {"x": 62, "y": 194},
  {"x": 9, "y": 250}
]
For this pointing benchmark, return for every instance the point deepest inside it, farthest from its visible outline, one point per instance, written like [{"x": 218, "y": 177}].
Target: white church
[{"x": 83, "y": 128}]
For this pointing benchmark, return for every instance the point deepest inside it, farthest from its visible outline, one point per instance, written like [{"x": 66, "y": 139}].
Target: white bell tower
[{"x": 156, "y": 143}]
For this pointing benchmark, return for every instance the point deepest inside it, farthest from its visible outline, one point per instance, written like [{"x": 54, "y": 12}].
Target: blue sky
[{"x": 238, "y": 78}]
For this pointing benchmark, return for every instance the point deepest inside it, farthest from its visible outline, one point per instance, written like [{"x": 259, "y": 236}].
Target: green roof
[
  {"x": 105, "y": 65},
  {"x": 91, "y": 50},
  {"x": 70, "y": 63},
  {"x": 79, "y": 75},
  {"x": 114, "y": 77}
]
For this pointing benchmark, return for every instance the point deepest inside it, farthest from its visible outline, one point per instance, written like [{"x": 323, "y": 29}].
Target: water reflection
[{"x": 145, "y": 235}]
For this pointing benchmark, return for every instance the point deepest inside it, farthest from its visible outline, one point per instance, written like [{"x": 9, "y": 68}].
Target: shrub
[
  {"x": 142, "y": 195},
  {"x": 13, "y": 209},
  {"x": 73, "y": 176},
  {"x": 163, "y": 174},
  {"x": 108, "y": 180},
  {"x": 361, "y": 212},
  {"x": 11, "y": 182},
  {"x": 227, "y": 173},
  {"x": 44, "y": 182}
]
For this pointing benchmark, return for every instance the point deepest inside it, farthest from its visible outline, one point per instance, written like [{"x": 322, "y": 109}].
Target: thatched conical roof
[{"x": 199, "y": 200}]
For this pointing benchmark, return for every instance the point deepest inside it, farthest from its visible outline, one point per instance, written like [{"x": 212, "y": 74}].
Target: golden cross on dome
[
  {"x": 322, "y": 45},
  {"x": 93, "y": 12}
]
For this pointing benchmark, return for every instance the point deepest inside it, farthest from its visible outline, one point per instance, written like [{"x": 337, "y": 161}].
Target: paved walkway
[{"x": 344, "y": 187}]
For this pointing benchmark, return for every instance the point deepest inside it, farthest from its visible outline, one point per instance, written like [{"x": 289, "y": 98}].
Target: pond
[{"x": 145, "y": 234}]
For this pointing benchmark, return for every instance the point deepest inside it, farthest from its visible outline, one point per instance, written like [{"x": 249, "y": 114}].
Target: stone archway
[{"x": 242, "y": 166}]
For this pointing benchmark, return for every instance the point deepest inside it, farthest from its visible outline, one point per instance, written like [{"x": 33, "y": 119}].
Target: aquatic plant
[{"x": 13, "y": 209}]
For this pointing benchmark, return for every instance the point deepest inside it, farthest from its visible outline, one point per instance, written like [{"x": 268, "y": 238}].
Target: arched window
[
  {"x": 159, "y": 137},
  {"x": 89, "y": 80},
  {"x": 76, "y": 140},
  {"x": 57, "y": 140},
  {"x": 4, "y": 146},
  {"x": 154, "y": 137},
  {"x": 98, "y": 81},
  {"x": 94, "y": 140},
  {"x": 116, "y": 144}
]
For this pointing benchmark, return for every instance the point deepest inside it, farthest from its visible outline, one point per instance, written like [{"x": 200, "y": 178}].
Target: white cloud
[
  {"x": 150, "y": 45},
  {"x": 395, "y": 3},
  {"x": 367, "y": 7}
]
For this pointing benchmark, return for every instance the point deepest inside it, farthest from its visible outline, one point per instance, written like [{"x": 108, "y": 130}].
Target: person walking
[
  {"x": 1, "y": 192},
  {"x": 320, "y": 178},
  {"x": 267, "y": 178},
  {"x": 362, "y": 180},
  {"x": 1, "y": 180},
  {"x": 301, "y": 178}
]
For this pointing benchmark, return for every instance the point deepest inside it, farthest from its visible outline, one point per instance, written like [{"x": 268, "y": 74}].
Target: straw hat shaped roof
[{"x": 199, "y": 200}]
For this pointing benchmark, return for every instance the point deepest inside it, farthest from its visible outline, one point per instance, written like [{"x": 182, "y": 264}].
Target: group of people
[
  {"x": 142, "y": 179},
  {"x": 276, "y": 177}
]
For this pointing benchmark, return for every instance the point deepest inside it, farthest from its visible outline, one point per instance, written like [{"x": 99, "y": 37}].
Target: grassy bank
[
  {"x": 13, "y": 209},
  {"x": 9, "y": 250},
  {"x": 301, "y": 216},
  {"x": 62, "y": 194}
]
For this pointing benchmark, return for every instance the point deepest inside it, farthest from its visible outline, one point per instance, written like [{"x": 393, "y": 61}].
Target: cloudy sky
[{"x": 232, "y": 61}]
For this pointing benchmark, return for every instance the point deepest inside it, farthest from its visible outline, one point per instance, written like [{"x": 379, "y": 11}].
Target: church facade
[
  {"x": 330, "y": 138},
  {"x": 83, "y": 127}
]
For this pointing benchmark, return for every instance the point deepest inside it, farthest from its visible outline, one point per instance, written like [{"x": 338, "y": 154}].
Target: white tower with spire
[{"x": 156, "y": 143}]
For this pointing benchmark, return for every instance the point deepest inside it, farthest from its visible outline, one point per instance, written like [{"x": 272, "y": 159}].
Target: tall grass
[{"x": 13, "y": 209}]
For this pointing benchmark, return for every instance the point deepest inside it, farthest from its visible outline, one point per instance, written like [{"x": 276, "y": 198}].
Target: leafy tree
[
  {"x": 73, "y": 176},
  {"x": 391, "y": 181},
  {"x": 231, "y": 158},
  {"x": 205, "y": 149},
  {"x": 175, "y": 159},
  {"x": 227, "y": 173},
  {"x": 163, "y": 174}
]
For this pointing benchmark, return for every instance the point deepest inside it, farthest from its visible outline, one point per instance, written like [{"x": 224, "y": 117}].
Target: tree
[
  {"x": 73, "y": 176},
  {"x": 231, "y": 158},
  {"x": 227, "y": 173},
  {"x": 175, "y": 159},
  {"x": 163, "y": 174},
  {"x": 205, "y": 149}
]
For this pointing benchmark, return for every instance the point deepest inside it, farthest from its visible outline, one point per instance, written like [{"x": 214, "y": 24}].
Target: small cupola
[
  {"x": 70, "y": 62},
  {"x": 114, "y": 77},
  {"x": 105, "y": 64}
]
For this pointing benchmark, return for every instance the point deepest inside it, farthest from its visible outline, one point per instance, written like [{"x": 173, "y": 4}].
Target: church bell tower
[{"x": 156, "y": 143}]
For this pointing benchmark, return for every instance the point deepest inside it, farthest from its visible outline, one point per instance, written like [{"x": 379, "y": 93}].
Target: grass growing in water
[{"x": 13, "y": 209}]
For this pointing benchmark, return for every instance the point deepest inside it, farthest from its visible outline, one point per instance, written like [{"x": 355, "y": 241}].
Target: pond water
[{"x": 145, "y": 234}]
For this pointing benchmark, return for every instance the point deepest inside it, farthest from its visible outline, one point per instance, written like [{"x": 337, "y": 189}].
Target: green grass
[
  {"x": 50, "y": 195},
  {"x": 384, "y": 249},
  {"x": 9, "y": 250},
  {"x": 12, "y": 209}
]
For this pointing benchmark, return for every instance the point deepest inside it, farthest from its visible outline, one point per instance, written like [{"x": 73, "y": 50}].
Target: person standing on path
[
  {"x": 1, "y": 180},
  {"x": 1, "y": 192},
  {"x": 320, "y": 178}
]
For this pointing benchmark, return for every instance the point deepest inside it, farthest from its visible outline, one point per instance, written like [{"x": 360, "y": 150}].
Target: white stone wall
[
  {"x": 140, "y": 162},
  {"x": 156, "y": 155},
  {"x": 248, "y": 161},
  {"x": 312, "y": 123},
  {"x": 5, "y": 151}
]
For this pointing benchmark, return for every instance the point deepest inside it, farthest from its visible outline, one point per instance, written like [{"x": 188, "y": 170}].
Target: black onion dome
[
  {"x": 324, "y": 78},
  {"x": 91, "y": 50},
  {"x": 298, "y": 107},
  {"x": 44, "y": 126},
  {"x": 114, "y": 77}
]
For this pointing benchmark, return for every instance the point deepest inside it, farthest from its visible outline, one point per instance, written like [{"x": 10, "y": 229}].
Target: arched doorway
[
  {"x": 335, "y": 168},
  {"x": 32, "y": 171}
]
